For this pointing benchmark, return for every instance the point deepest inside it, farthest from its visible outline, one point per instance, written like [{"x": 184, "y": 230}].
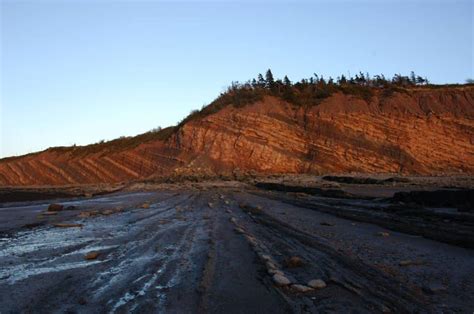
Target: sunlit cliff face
[{"x": 425, "y": 131}]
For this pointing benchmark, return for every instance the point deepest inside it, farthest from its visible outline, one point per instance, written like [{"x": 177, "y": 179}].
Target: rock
[
  {"x": 252, "y": 240},
  {"x": 294, "y": 262},
  {"x": 383, "y": 234},
  {"x": 92, "y": 255},
  {"x": 145, "y": 205},
  {"x": 281, "y": 280},
  {"x": 270, "y": 265},
  {"x": 317, "y": 284},
  {"x": 49, "y": 213},
  {"x": 266, "y": 258},
  {"x": 275, "y": 272},
  {"x": 88, "y": 214},
  {"x": 325, "y": 223},
  {"x": 239, "y": 230},
  {"x": 226, "y": 134},
  {"x": 301, "y": 288},
  {"x": 65, "y": 225},
  {"x": 55, "y": 207},
  {"x": 410, "y": 263}
]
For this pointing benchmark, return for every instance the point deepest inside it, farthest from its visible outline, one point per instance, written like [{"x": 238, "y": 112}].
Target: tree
[
  {"x": 342, "y": 80},
  {"x": 286, "y": 81},
  {"x": 420, "y": 80},
  {"x": 413, "y": 78},
  {"x": 269, "y": 79},
  {"x": 261, "y": 80}
]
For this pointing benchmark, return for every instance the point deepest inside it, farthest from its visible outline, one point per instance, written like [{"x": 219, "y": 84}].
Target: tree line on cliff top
[{"x": 308, "y": 91}]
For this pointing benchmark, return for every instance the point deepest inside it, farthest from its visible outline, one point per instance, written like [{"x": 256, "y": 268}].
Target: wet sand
[{"x": 215, "y": 247}]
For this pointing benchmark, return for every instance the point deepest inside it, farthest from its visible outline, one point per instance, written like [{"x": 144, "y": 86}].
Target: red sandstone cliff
[{"x": 420, "y": 131}]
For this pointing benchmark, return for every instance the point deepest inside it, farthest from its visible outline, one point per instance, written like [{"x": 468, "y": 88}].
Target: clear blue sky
[{"x": 82, "y": 71}]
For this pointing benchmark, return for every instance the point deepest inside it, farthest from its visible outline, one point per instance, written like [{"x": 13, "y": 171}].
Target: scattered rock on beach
[
  {"x": 410, "y": 263},
  {"x": 92, "y": 255},
  {"x": 281, "y": 280},
  {"x": 55, "y": 207},
  {"x": 49, "y": 213},
  {"x": 294, "y": 262},
  {"x": 301, "y": 288},
  {"x": 325, "y": 223},
  {"x": 65, "y": 225},
  {"x": 317, "y": 284}
]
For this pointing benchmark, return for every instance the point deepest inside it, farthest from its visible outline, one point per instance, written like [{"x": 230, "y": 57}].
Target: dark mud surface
[{"x": 215, "y": 247}]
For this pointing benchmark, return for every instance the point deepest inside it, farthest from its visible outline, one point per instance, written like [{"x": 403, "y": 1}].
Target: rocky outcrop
[
  {"x": 419, "y": 131},
  {"x": 425, "y": 132}
]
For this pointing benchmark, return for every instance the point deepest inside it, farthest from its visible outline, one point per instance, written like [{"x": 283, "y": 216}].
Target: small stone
[
  {"x": 383, "y": 234},
  {"x": 294, "y": 262},
  {"x": 325, "y": 223},
  {"x": 275, "y": 272},
  {"x": 252, "y": 240},
  {"x": 270, "y": 265},
  {"x": 107, "y": 212},
  {"x": 281, "y": 280},
  {"x": 55, "y": 207},
  {"x": 145, "y": 205},
  {"x": 239, "y": 230},
  {"x": 410, "y": 262},
  {"x": 266, "y": 258},
  {"x": 49, "y": 213},
  {"x": 63, "y": 225},
  {"x": 301, "y": 288},
  {"x": 317, "y": 284},
  {"x": 92, "y": 255}
]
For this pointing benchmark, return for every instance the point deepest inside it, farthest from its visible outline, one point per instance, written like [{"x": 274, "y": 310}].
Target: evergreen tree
[
  {"x": 269, "y": 79},
  {"x": 261, "y": 80},
  {"x": 413, "y": 78},
  {"x": 342, "y": 80},
  {"x": 254, "y": 83},
  {"x": 286, "y": 81}
]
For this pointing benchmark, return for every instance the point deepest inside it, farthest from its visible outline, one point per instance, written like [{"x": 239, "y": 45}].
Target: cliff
[{"x": 415, "y": 131}]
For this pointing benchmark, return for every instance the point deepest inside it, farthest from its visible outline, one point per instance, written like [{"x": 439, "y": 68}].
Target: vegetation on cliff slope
[{"x": 307, "y": 92}]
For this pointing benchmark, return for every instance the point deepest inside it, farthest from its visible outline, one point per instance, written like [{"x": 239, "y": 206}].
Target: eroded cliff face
[{"x": 421, "y": 131}]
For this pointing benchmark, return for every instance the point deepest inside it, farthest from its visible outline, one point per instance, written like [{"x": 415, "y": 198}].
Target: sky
[{"x": 77, "y": 72}]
